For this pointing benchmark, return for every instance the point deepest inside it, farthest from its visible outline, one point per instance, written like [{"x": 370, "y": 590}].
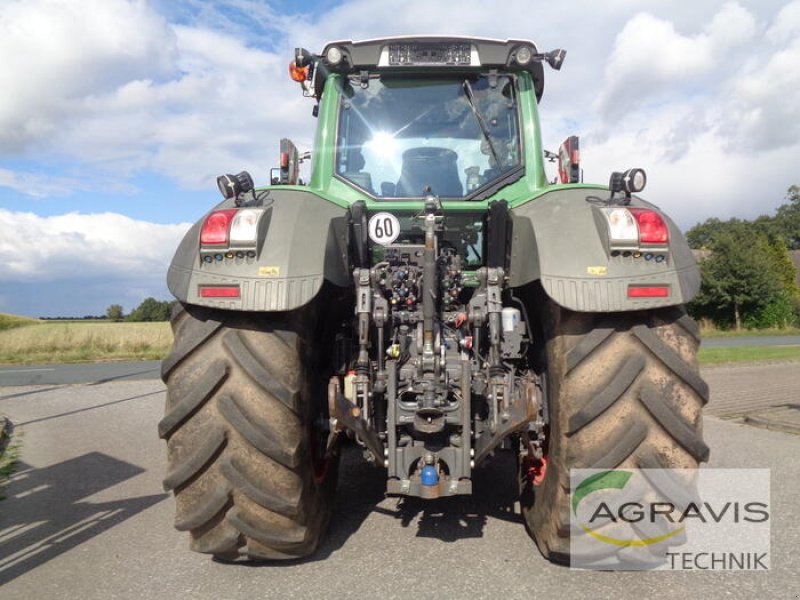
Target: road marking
[{"x": 22, "y": 370}]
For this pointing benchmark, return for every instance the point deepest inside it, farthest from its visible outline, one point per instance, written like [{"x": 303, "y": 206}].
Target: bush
[
  {"x": 779, "y": 314},
  {"x": 151, "y": 310}
]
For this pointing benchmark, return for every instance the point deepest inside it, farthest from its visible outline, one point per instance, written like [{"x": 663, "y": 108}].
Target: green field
[
  {"x": 710, "y": 356},
  {"x": 12, "y": 321},
  {"x": 77, "y": 341}
]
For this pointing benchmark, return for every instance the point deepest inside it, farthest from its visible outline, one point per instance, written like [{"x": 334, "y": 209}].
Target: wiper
[{"x": 481, "y": 122}]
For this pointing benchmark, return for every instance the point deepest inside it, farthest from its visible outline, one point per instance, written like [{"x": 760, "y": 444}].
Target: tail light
[
  {"x": 244, "y": 228},
  {"x": 216, "y": 228},
  {"x": 231, "y": 227},
  {"x": 648, "y": 291},
  {"x": 628, "y": 228},
  {"x": 652, "y": 228},
  {"x": 219, "y": 291}
]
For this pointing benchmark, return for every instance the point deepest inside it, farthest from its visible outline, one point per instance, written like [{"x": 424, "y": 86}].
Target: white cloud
[
  {"x": 81, "y": 246},
  {"x": 35, "y": 184},
  {"x": 110, "y": 84},
  {"x": 43, "y": 184},
  {"x": 786, "y": 26},
  {"x": 763, "y": 107},
  {"x": 56, "y": 52},
  {"x": 651, "y": 58}
]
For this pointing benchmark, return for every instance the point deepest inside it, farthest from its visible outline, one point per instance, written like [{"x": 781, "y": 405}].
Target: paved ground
[
  {"x": 101, "y": 372},
  {"x": 764, "y": 340},
  {"x": 746, "y": 387},
  {"x": 86, "y": 518}
]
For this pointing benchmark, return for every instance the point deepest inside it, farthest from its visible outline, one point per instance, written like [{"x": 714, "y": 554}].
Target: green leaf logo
[{"x": 611, "y": 480}]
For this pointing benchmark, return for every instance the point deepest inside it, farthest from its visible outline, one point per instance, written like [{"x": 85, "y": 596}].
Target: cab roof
[{"x": 436, "y": 52}]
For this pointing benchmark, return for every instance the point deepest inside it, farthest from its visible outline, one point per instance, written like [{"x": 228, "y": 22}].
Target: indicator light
[{"x": 298, "y": 73}]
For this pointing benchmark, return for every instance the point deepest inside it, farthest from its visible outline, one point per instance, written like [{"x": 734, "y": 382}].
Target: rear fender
[
  {"x": 559, "y": 241},
  {"x": 302, "y": 241}
]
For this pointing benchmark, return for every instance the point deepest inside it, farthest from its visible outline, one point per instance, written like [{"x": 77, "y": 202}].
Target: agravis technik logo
[{"x": 687, "y": 519}]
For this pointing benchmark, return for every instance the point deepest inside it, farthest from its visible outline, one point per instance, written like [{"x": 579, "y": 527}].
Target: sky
[{"x": 116, "y": 116}]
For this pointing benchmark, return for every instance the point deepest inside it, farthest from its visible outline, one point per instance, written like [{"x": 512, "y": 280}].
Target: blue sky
[{"x": 117, "y": 115}]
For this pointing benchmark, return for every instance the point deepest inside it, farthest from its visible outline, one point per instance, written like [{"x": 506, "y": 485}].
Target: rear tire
[
  {"x": 242, "y": 404},
  {"x": 624, "y": 391}
]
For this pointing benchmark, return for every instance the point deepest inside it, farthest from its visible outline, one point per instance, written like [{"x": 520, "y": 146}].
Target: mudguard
[
  {"x": 302, "y": 241},
  {"x": 558, "y": 239}
]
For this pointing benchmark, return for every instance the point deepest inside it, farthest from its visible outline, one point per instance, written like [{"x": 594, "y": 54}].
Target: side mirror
[
  {"x": 555, "y": 58},
  {"x": 569, "y": 161}
]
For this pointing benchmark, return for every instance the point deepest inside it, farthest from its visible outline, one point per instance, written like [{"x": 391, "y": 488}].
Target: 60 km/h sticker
[{"x": 383, "y": 228}]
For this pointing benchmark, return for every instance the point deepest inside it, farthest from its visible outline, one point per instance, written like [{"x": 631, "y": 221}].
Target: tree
[
  {"x": 114, "y": 312},
  {"x": 787, "y": 219},
  {"x": 740, "y": 279},
  {"x": 784, "y": 224},
  {"x": 704, "y": 235},
  {"x": 151, "y": 310}
]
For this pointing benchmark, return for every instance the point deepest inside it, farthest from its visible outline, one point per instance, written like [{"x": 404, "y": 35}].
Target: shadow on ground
[
  {"x": 361, "y": 492},
  {"x": 46, "y": 514}
]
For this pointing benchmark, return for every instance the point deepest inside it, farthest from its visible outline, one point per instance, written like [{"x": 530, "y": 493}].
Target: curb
[{"x": 768, "y": 419}]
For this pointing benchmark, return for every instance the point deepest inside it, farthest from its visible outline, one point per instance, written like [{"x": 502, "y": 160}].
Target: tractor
[{"x": 428, "y": 295}]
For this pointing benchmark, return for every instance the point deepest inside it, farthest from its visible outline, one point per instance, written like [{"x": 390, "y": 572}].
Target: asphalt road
[
  {"x": 101, "y": 372},
  {"x": 86, "y": 518},
  {"x": 766, "y": 340}
]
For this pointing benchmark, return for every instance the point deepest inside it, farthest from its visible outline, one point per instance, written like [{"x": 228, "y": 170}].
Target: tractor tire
[
  {"x": 623, "y": 391},
  {"x": 241, "y": 425}
]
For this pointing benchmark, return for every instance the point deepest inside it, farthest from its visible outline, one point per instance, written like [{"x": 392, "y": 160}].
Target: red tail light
[
  {"x": 216, "y": 228},
  {"x": 641, "y": 291},
  {"x": 652, "y": 227},
  {"x": 219, "y": 291}
]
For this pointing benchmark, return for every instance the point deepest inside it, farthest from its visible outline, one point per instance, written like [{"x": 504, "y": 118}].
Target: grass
[
  {"x": 10, "y": 448},
  {"x": 76, "y": 341},
  {"x": 12, "y": 321},
  {"x": 711, "y": 356}
]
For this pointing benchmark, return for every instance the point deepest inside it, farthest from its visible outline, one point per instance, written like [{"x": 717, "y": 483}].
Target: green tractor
[{"x": 429, "y": 294}]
